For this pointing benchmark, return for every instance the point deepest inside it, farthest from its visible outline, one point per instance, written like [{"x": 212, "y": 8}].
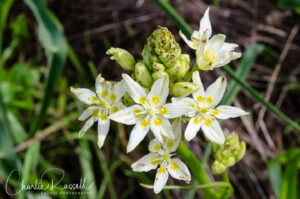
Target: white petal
[
  {"x": 173, "y": 110},
  {"x": 215, "y": 92},
  {"x": 160, "y": 125},
  {"x": 84, "y": 94},
  {"x": 159, "y": 90},
  {"x": 229, "y": 112},
  {"x": 155, "y": 146},
  {"x": 229, "y": 46},
  {"x": 100, "y": 84},
  {"x": 205, "y": 24},
  {"x": 161, "y": 178},
  {"x": 115, "y": 107},
  {"x": 86, "y": 126},
  {"x": 216, "y": 42},
  {"x": 190, "y": 43},
  {"x": 213, "y": 132},
  {"x": 146, "y": 163},
  {"x": 137, "y": 134},
  {"x": 172, "y": 145},
  {"x": 135, "y": 90},
  {"x": 103, "y": 128},
  {"x": 192, "y": 128},
  {"x": 178, "y": 170},
  {"x": 119, "y": 89},
  {"x": 196, "y": 79},
  {"x": 189, "y": 102},
  {"x": 87, "y": 112},
  {"x": 128, "y": 115}
]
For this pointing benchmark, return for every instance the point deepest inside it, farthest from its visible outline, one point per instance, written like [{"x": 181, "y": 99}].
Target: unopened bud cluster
[
  {"x": 161, "y": 56},
  {"x": 228, "y": 154}
]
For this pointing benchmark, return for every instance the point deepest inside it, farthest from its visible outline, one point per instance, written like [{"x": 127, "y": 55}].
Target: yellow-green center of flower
[
  {"x": 104, "y": 117},
  {"x": 174, "y": 166},
  {"x": 170, "y": 143},
  {"x": 143, "y": 100},
  {"x": 157, "y": 121},
  {"x": 199, "y": 98},
  {"x": 155, "y": 100},
  {"x": 137, "y": 112},
  {"x": 207, "y": 122},
  {"x": 115, "y": 109},
  {"x": 96, "y": 113},
  {"x": 209, "y": 100},
  {"x": 154, "y": 160},
  {"x": 94, "y": 100},
  {"x": 196, "y": 120},
  {"x": 163, "y": 110},
  {"x": 113, "y": 97},
  {"x": 105, "y": 94},
  {"x": 144, "y": 123},
  {"x": 209, "y": 56},
  {"x": 162, "y": 169},
  {"x": 156, "y": 147}
]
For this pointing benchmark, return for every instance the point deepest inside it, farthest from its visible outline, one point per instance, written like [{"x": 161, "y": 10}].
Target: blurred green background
[{"x": 47, "y": 46}]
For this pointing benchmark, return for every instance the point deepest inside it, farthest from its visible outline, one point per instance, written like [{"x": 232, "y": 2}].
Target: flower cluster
[{"x": 164, "y": 71}]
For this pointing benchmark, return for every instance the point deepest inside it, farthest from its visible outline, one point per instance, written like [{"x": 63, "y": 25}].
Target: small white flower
[
  {"x": 203, "y": 112},
  {"x": 150, "y": 112},
  {"x": 104, "y": 102},
  {"x": 210, "y": 52},
  {"x": 161, "y": 154}
]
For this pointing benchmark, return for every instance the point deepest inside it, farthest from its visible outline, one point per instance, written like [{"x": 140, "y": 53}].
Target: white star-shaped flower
[
  {"x": 210, "y": 52},
  {"x": 161, "y": 154},
  {"x": 203, "y": 110},
  {"x": 103, "y": 103},
  {"x": 150, "y": 112}
]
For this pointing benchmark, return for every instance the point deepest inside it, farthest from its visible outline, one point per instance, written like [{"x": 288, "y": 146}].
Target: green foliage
[
  {"x": 53, "y": 40},
  {"x": 285, "y": 182}
]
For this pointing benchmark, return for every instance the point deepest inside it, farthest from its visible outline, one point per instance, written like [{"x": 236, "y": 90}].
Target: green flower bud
[
  {"x": 230, "y": 161},
  {"x": 127, "y": 100},
  {"x": 142, "y": 75},
  {"x": 242, "y": 151},
  {"x": 217, "y": 168},
  {"x": 158, "y": 67},
  {"x": 122, "y": 57},
  {"x": 182, "y": 89},
  {"x": 162, "y": 48},
  {"x": 180, "y": 68},
  {"x": 158, "y": 74},
  {"x": 229, "y": 153}
]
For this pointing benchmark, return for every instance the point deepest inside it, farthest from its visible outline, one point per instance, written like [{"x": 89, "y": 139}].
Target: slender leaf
[
  {"x": 85, "y": 159},
  {"x": 53, "y": 40},
  {"x": 5, "y": 6},
  {"x": 275, "y": 176}
]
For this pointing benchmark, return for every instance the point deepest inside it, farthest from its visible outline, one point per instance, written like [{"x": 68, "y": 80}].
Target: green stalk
[
  {"x": 196, "y": 168},
  {"x": 205, "y": 186}
]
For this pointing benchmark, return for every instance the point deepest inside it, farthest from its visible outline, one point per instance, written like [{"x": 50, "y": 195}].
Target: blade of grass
[
  {"x": 85, "y": 160},
  {"x": 177, "y": 19},
  {"x": 275, "y": 176},
  {"x": 5, "y": 6},
  {"x": 52, "y": 39},
  {"x": 107, "y": 181}
]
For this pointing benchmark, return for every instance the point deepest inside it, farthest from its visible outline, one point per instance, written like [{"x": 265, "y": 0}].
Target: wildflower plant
[{"x": 156, "y": 98}]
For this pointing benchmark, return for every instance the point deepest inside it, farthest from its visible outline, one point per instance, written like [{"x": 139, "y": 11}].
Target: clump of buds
[
  {"x": 161, "y": 56},
  {"x": 228, "y": 154}
]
